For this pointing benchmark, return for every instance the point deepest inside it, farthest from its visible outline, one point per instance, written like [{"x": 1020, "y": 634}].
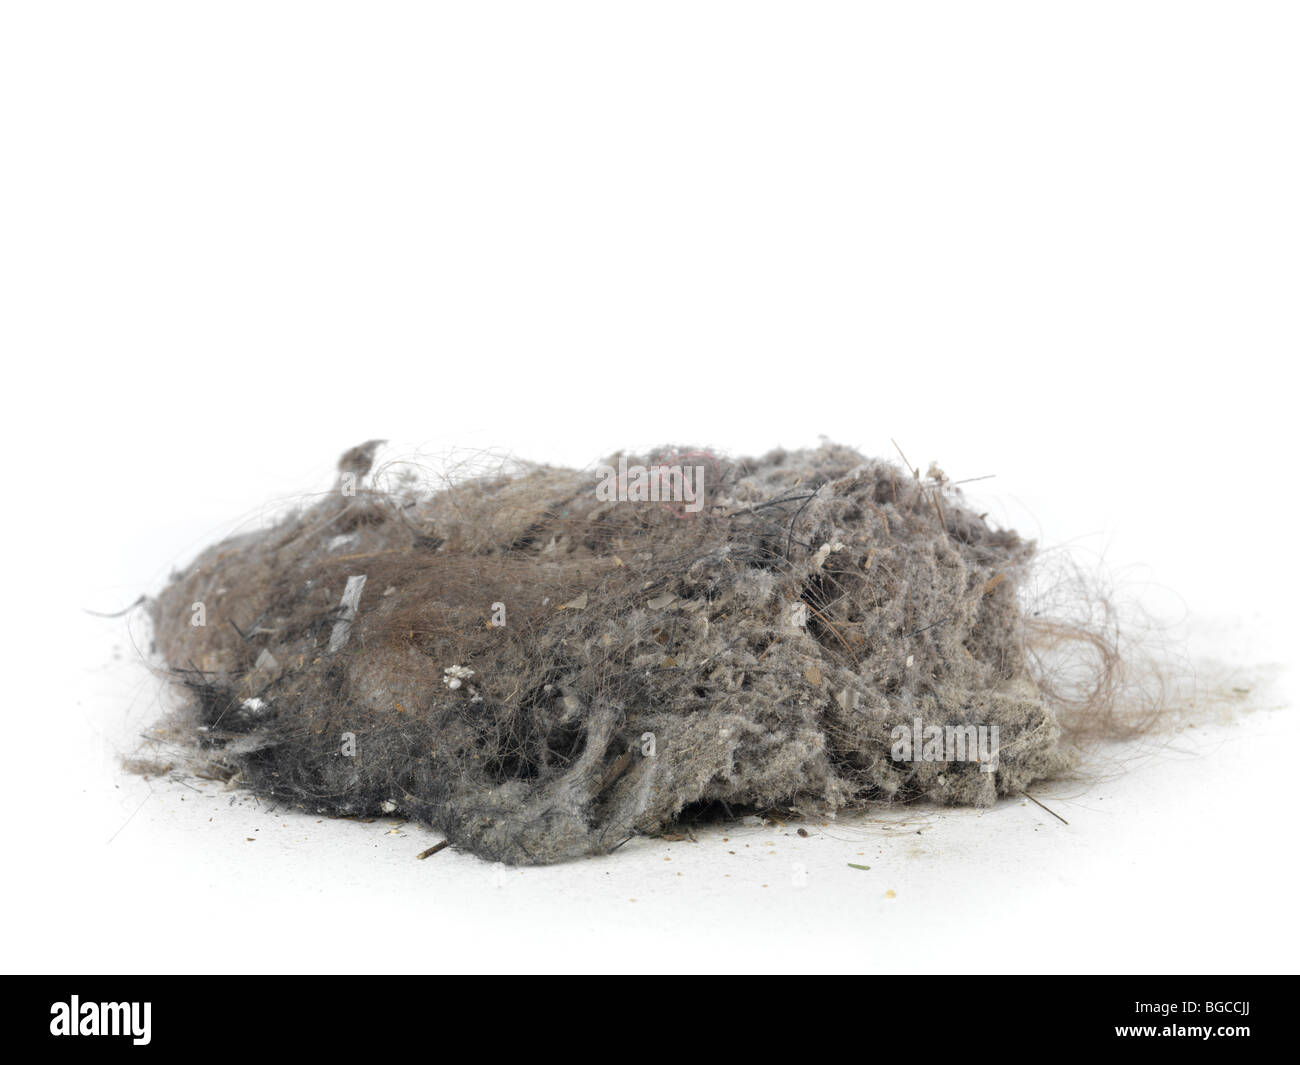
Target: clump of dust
[{"x": 542, "y": 668}]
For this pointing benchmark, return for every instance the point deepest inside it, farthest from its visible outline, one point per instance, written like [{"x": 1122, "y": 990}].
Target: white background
[{"x": 1056, "y": 243}]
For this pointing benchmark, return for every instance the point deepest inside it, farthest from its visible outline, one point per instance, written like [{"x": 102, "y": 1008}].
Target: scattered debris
[
  {"x": 147, "y": 767},
  {"x": 1041, "y": 806}
]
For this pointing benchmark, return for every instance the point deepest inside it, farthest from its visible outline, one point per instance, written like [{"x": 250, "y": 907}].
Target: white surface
[
  {"x": 1052, "y": 243},
  {"x": 1177, "y": 857}
]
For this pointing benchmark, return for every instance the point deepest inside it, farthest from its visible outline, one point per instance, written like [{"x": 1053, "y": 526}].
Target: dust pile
[{"x": 544, "y": 662}]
